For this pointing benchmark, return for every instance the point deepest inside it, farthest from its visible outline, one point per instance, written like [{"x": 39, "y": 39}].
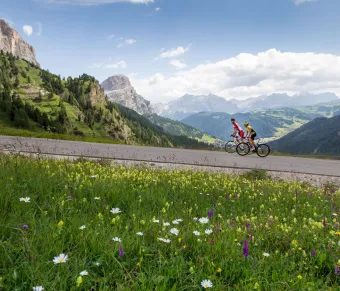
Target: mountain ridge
[
  {"x": 11, "y": 42},
  {"x": 119, "y": 90}
]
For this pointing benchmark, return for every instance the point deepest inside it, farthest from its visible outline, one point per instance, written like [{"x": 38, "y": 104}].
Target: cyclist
[
  {"x": 237, "y": 130},
  {"x": 251, "y": 134}
]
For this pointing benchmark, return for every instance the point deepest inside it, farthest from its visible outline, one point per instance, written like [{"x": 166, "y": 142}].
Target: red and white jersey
[{"x": 237, "y": 127}]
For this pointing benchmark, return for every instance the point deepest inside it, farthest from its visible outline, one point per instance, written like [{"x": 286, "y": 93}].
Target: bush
[{"x": 256, "y": 174}]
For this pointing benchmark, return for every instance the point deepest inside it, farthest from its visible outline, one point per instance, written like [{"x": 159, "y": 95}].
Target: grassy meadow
[{"x": 90, "y": 226}]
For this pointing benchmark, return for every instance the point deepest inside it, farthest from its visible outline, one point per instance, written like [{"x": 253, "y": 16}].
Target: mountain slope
[
  {"x": 190, "y": 104},
  {"x": 320, "y": 136},
  {"x": 178, "y": 128},
  {"x": 36, "y": 101},
  {"x": 119, "y": 90},
  {"x": 268, "y": 123},
  {"x": 11, "y": 42}
]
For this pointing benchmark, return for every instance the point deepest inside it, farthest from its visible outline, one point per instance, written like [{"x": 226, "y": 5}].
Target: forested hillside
[
  {"x": 320, "y": 136},
  {"x": 38, "y": 102}
]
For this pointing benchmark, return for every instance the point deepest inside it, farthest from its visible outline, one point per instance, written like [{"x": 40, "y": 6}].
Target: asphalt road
[{"x": 168, "y": 155}]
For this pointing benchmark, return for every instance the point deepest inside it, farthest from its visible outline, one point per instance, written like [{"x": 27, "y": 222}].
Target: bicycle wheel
[
  {"x": 243, "y": 149},
  {"x": 230, "y": 147},
  {"x": 263, "y": 150}
]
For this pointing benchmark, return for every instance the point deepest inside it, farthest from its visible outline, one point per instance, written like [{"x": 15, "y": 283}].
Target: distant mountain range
[
  {"x": 318, "y": 137},
  {"x": 189, "y": 104},
  {"x": 268, "y": 123}
]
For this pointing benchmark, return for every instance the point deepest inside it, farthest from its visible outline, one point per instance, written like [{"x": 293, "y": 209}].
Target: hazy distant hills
[{"x": 190, "y": 104}]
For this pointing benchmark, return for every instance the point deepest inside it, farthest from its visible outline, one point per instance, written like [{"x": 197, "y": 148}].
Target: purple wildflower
[
  {"x": 211, "y": 213},
  {"x": 245, "y": 249},
  {"x": 25, "y": 226},
  {"x": 247, "y": 225},
  {"x": 236, "y": 196},
  {"x": 212, "y": 241},
  {"x": 336, "y": 226},
  {"x": 231, "y": 223},
  {"x": 336, "y": 270},
  {"x": 313, "y": 253},
  {"x": 324, "y": 222},
  {"x": 296, "y": 194},
  {"x": 121, "y": 250}
]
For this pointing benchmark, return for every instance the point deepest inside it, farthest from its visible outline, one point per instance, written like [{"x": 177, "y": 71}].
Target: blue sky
[{"x": 193, "y": 43}]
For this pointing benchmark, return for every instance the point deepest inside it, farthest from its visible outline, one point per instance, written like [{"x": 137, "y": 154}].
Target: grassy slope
[
  {"x": 178, "y": 128},
  {"x": 62, "y": 199}
]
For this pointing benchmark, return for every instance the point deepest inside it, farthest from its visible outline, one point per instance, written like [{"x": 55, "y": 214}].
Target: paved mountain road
[{"x": 168, "y": 155}]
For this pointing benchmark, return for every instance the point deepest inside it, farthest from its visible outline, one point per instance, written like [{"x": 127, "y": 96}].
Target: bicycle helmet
[{"x": 246, "y": 123}]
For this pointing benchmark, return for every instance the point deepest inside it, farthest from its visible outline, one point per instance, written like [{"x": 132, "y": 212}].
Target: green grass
[{"x": 287, "y": 226}]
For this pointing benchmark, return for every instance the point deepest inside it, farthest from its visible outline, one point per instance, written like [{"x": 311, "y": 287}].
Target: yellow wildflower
[{"x": 299, "y": 277}]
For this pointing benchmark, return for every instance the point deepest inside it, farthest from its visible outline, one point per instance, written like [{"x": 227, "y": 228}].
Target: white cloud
[
  {"x": 298, "y": 2},
  {"x": 28, "y": 30},
  {"x": 157, "y": 9},
  {"x": 130, "y": 41},
  {"x": 178, "y": 64},
  {"x": 94, "y": 2},
  {"x": 118, "y": 65},
  {"x": 174, "y": 52},
  {"x": 39, "y": 32},
  {"x": 249, "y": 75}
]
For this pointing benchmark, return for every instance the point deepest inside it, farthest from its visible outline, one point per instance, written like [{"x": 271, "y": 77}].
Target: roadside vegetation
[{"x": 91, "y": 226}]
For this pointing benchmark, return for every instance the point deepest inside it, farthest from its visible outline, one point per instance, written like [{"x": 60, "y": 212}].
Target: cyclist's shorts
[
  {"x": 253, "y": 136},
  {"x": 241, "y": 133}
]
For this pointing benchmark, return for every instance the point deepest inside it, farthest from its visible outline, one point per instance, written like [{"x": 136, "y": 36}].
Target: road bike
[
  {"x": 261, "y": 149},
  {"x": 230, "y": 146}
]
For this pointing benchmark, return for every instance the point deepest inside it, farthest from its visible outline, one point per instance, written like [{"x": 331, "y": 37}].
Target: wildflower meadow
[{"x": 81, "y": 225}]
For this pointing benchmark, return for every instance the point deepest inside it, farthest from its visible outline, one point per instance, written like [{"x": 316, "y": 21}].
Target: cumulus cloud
[
  {"x": 249, "y": 75},
  {"x": 173, "y": 53},
  {"x": 157, "y": 9},
  {"x": 94, "y": 2},
  {"x": 28, "y": 30},
  {"x": 178, "y": 64},
  {"x": 118, "y": 65},
  {"x": 299, "y": 2}
]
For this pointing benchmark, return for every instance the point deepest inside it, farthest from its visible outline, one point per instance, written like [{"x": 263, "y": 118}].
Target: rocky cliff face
[
  {"x": 96, "y": 95},
  {"x": 119, "y": 90},
  {"x": 11, "y": 41}
]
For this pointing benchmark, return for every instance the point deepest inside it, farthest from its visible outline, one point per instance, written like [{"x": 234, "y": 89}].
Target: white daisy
[
  {"x": 82, "y": 227},
  {"x": 266, "y": 254},
  {"x": 174, "y": 231},
  {"x": 164, "y": 240},
  {"x": 206, "y": 284},
  {"x": 204, "y": 220},
  {"x": 140, "y": 233},
  {"x": 94, "y": 176},
  {"x": 96, "y": 198},
  {"x": 195, "y": 218},
  {"x": 25, "y": 199},
  {"x": 166, "y": 223},
  {"x": 155, "y": 220},
  {"x": 97, "y": 264},
  {"x": 208, "y": 231},
  {"x": 38, "y": 288},
  {"x": 334, "y": 214},
  {"x": 115, "y": 210},
  {"x": 62, "y": 258},
  {"x": 196, "y": 233},
  {"x": 175, "y": 222},
  {"x": 84, "y": 273},
  {"x": 117, "y": 239}
]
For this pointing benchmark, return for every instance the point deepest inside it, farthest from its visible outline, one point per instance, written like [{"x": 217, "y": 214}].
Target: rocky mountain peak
[
  {"x": 11, "y": 41},
  {"x": 118, "y": 89}
]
